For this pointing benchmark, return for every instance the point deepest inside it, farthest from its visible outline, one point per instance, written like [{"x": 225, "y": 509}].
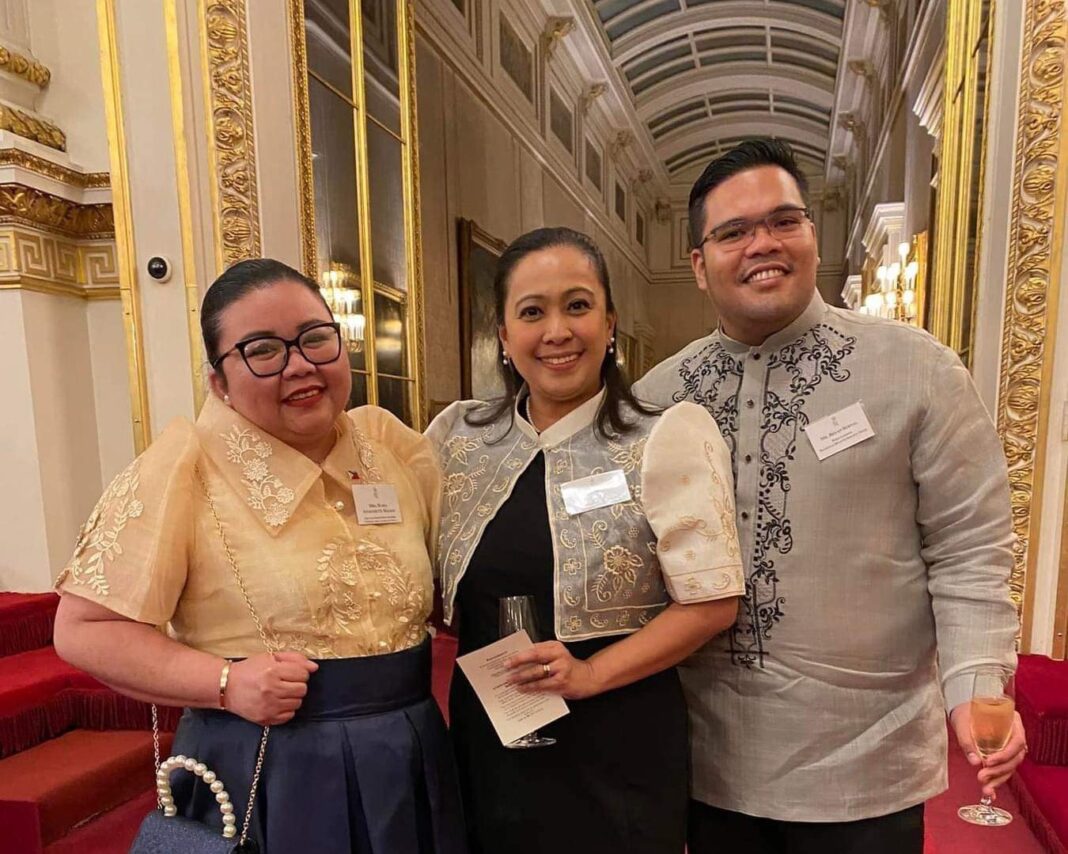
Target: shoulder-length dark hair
[{"x": 611, "y": 419}]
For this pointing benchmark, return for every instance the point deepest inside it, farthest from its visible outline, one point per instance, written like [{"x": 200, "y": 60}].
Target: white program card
[
  {"x": 844, "y": 429},
  {"x": 595, "y": 492},
  {"x": 512, "y": 713}
]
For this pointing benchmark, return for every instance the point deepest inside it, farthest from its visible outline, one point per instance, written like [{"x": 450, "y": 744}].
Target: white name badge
[
  {"x": 839, "y": 431},
  {"x": 595, "y": 491},
  {"x": 376, "y": 503}
]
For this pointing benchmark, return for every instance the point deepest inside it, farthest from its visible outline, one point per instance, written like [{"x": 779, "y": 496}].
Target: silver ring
[{"x": 546, "y": 670}]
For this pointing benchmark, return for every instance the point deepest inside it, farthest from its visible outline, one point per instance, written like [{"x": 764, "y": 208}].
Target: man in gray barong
[{"x": 874, "y": 520}]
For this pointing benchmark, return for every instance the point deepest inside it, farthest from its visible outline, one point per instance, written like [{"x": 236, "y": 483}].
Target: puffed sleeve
[
  {"x": 417, "y": 457},
  {"x": 440, "y": 429},
  {"x": 688, "y": 494},
  {"x": 132, "y": 555}
]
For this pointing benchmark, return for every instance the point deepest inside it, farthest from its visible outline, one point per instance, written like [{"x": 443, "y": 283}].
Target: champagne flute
[
  {"x": 517, "y": 613},
  {"x": 992, "y": 714}
]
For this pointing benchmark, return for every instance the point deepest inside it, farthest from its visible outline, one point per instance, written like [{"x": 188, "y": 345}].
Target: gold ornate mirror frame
[{"x": 1036, "y": 235}]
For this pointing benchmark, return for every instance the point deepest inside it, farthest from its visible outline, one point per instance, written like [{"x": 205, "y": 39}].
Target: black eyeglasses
[
  {"x": 782, "y": 224},
  {"x": 268, "y": 355}
]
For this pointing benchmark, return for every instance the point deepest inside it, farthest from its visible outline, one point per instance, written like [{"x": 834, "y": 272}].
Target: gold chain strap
[
  {"x": 155, "y": 747},
  {"x": 263, "y": 636},
  {"x": 266, "y": 642},
  {"x": 233, "y": 565}
]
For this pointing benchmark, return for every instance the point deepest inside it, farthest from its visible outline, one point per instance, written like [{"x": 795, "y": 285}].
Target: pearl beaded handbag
[{"x": 164, "y": 831}]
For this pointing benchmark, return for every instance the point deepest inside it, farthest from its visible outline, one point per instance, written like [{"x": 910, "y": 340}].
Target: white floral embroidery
[
  {"x": 98, "y": 542},
  {"x": 621, "y": 567},
  {"x": 627, "y": 457},
  {"x": 266, "y": 492},
  {"x": 339, "y": 579},
  {"x": 366, "y": 453},
  {"x": 459, "y": 447}
]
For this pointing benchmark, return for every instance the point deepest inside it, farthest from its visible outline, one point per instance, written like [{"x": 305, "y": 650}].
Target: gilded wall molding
[
  {"x": 55, "y": 171},
  {"x": 22, "y": 66},
  {"x": 32, "y": 127},
  {"x": 229, "y": 84},
  {"x": 30, "y": 206},
  {"x": 1034, "y": 267},
  {"x": 417, "y": 336},
  {"x": 305, "y": 176},
  {"x": 51, "y": 264}
]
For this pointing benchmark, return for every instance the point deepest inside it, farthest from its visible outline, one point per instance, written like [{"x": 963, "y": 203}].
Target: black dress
[{"x": 617, "y": 778}]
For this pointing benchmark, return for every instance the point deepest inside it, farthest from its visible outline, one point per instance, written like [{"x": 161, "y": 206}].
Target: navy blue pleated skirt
[{"x": 364, "y": 767}]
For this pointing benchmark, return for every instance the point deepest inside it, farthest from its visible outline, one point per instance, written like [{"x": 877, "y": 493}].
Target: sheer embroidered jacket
[
  {"x": 321, "y": 583},
  {"x": 872, "y": 574},
  {"x": 617, "y": 566}
]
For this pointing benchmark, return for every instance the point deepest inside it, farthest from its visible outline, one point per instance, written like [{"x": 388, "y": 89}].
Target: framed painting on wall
[
  {"x": 627, "y": 355},
  {"x": 479, "y": 251}
]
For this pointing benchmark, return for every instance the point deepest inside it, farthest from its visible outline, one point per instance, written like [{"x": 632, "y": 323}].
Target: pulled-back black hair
[
  {"x": 238, "y": 280},
  {"x": 610, "y": 419},
  {"x": 745, "y": 155}
]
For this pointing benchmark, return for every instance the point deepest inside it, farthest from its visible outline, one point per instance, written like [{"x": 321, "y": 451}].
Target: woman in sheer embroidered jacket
[
  {"x": 626, "y": 587},
  {"x": 241, "y": 535}
]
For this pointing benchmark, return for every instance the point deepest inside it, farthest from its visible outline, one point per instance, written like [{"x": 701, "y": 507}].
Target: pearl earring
[
  {"x": 226, "y": 399},
  {"x": 612, "y": 344},
  {"x": 504, "y": 359}
]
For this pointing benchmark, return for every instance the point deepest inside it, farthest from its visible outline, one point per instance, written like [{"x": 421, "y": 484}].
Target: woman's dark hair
[
  {"x": 240, "y": 279},
  {"x": 610, "y": 418},
  {"x": 746, "y": 155}
]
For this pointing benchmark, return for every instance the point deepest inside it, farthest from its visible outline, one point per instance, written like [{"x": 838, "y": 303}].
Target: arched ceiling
[{"x": 705, "y": 74}]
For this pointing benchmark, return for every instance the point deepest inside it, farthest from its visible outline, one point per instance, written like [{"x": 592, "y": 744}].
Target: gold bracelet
[{"x": 224, "y": 677}]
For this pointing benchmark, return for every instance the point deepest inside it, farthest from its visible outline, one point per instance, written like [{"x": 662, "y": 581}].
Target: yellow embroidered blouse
[{"x": 321, "y": 583}]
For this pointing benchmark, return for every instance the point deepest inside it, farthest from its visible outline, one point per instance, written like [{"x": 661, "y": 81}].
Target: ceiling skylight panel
[{"x": 631, "y": 20}]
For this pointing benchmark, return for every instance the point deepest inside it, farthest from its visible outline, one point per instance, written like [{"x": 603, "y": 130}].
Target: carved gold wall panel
[
  {"x": 30, "y": 206},
  {"x": 48, "y": 169},
  {"x": 24, "y": 67},
  {"x": 1034, "y": 270},
  {"x": 224, "y": 25},
  {"x": 32, "y": 127}
]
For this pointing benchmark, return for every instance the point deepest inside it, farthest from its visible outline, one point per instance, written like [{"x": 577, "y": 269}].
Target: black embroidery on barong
[{"x": 713, "y": 378}]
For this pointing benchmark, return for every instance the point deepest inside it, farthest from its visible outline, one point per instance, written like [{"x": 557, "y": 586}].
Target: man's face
[{"x": 758, "y": 285}]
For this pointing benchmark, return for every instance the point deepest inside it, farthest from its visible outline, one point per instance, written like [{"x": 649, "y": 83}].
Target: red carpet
[
  {"x": 57, "y": 785},
  {"x": 26, "y": 621},
  {"x": 74, "y": 755}
]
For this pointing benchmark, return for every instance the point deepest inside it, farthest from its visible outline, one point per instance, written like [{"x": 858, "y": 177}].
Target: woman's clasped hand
[{"x": 268, "y": 688}]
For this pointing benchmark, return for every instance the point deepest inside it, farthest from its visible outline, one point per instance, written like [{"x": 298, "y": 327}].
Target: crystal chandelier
[
  {"x": 895, "y": 294},
  {"x": 341, "y": 290}
]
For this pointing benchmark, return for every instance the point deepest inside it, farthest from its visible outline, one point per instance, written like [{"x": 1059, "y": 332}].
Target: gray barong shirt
[{"x": 875, "y": 578}]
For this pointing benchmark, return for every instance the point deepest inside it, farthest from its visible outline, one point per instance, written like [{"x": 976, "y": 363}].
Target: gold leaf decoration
[
  {"x": 1032, "y": 256},
  {"x": 230, "y": 83},
  {"x": 32, "y": 127}
]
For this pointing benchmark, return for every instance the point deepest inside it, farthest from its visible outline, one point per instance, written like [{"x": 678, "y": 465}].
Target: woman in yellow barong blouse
[{"x": 252, "y": 537}]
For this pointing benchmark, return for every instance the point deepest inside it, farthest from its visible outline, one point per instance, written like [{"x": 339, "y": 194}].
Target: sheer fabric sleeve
[
  {"x": 132, "y": 555},
  {"x": 688, "y": 495}
]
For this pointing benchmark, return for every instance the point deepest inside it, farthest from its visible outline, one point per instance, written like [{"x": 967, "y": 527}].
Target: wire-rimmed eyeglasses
[
  {"x": 268, "y": 355},
  {"x": 782, "y": 224}
]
